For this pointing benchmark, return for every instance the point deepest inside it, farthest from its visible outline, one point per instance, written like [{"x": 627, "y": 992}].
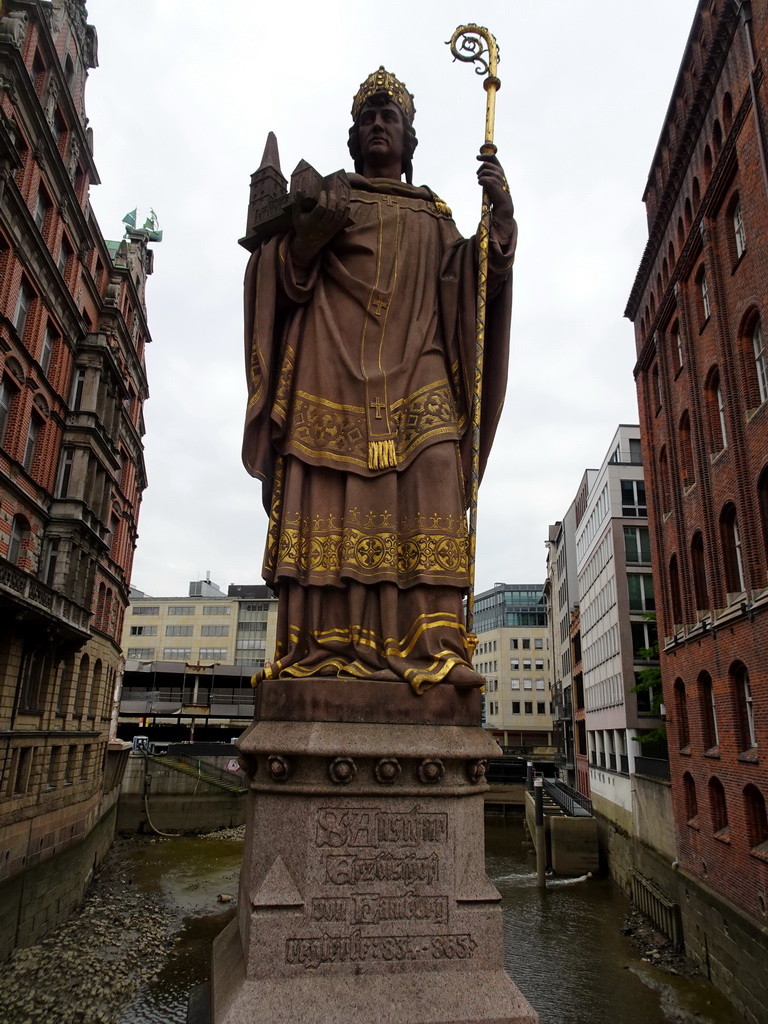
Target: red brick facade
[
  {"x": 72, "y": 384},
  {"x": 700, "y": 309}
]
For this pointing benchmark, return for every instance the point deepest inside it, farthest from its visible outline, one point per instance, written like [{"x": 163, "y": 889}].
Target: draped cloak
[{"x": 360, "y": 377}]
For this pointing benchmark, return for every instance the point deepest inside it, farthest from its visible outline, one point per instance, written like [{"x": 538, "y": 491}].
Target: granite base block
[{"x": 363, "y": 894}]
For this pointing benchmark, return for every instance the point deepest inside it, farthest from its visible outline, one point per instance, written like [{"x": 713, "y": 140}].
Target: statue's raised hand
[{"x": 315, "y": 227}]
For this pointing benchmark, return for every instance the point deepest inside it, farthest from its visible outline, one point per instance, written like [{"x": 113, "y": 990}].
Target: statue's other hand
[
  {"x": 492, "y": 179},
  {"x": 315, "y": 227}
]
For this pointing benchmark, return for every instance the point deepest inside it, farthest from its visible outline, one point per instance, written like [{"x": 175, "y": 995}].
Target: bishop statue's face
[{"x": 382, "y": 137}]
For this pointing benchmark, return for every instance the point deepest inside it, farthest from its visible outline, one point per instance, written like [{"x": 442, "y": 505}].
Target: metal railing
[
  {"x": 651, "y": 900},
  {"x": 653, "y": 767},
  {"x": 575, "y": 804}
]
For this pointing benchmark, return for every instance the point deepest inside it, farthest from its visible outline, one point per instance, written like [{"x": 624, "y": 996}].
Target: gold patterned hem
[{"x": 389, "y": 650}]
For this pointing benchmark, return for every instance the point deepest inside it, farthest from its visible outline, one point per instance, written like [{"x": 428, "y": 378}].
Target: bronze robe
[{"x": 360, "y": 376}]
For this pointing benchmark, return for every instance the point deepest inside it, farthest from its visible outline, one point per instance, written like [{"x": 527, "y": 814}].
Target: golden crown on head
[{"x": 383, "y": 81}]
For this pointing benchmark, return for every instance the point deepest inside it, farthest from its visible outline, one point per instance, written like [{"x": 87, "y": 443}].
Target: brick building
[
  {"x": 700, "y": 309},
  {"x": 72, "y": 384}
]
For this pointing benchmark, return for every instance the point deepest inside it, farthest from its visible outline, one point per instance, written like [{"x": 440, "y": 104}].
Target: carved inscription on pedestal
[{"x": 383, "y": 883}]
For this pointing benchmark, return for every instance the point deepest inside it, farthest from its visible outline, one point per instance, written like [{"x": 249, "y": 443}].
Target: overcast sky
[{"x": 180, "y": 105}]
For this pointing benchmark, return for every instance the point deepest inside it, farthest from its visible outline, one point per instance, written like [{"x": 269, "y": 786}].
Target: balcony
[
  {"x": 38, "y": 600},
  {"x": 653, "y": 767}
]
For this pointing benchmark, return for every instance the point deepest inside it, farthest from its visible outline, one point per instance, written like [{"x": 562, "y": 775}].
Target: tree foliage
[{"x": 654, "y": 741}]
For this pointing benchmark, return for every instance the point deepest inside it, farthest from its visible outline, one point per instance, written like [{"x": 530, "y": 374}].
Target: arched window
[
  {"x": 708, "y": 713},
  {"x": 718, "y": 808},
  {"x": 7, "y": 395},
  {"x": 82, "y": 685},
  {"x": 746, "y": 736},
  {"x": 66, "y": 680},
  {"x": 100, "y": 606},
  {"x": 687, "y": 471},
  {"x": 701, "y": 280},
  {"x": 761, "y": 370},
  {"x": 19, "y": 539},
  {"x": 680, "y": 231},
  {"x": 727, "y": 111},
  {"x": 677, "y": 344},
  {"x": 671, "y": 257},
  {"x": 708, "y": 163},
  {"x": 689, "y": 795},
  {"x": 655, "y": 387},
  {"x": 698, "y": 566},
  {"x": 696, "y": 191},
  {"x": 681, "y": 716},
  {"x": 664, "y": 481},
  {"x": 674, "y": 588},
  {"x": 688, "y": 209},
  {"x": 739, "y": 234},
  {"x": 717, "y": 138},
  {"x": 757, "y": 821},
  {"x": 718, "y": 437},
  {"x": 733, "y": 562},
  {"x": 93, "y": 703},
  {"x": 762, "y": 497}
]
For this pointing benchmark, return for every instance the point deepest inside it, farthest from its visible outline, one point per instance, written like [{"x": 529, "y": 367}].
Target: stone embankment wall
[
  {"x": 176, "y": 802},
  {"x": 730, "y": 948},
  {"x": 45, "y": 894}
]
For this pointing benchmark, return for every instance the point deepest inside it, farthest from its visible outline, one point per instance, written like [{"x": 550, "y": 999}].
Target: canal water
[{"x": 562, "y": 946}]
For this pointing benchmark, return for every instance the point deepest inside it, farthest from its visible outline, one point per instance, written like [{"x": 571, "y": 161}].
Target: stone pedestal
[{"x": 363, "y": 893}]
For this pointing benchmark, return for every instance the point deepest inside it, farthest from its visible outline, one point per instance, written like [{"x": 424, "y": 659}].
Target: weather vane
[{"x": 474, "y": 44}]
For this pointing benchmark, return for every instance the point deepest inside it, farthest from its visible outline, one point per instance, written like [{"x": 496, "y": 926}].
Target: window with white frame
[
  {"x": 761, "y": 370},
  {"x": 739, "y": 235}
]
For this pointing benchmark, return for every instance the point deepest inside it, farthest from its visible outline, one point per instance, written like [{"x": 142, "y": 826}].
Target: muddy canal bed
[{"x": 142, "y": 941}]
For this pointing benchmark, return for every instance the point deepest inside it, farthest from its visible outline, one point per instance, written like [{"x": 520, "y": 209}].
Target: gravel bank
[{"x": 89, "y": 969}]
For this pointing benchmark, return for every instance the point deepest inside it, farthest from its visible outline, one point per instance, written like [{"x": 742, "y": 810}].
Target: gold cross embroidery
[
  {"x": 376, "y": 404},
  {"x": 380, "y": 304}
]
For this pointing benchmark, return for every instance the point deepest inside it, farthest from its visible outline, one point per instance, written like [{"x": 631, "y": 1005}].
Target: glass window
[
  {"x": 732, "y": 556},
  {"x": 177, "y": 653},
  {"x": 637, "y": 544},
  {"x": 760, "y": 365},
  {"x": 6, "y": 397},
  {"x": 541, "y": 707},
  {"x": 143, "y": 631},
  {"x": 633, "y": 498},
  {"x": 141, "y": 653},
  {"x": 179, "y": 630},
  {"x": 47, "y": 349},
  {"x": 213, "y": 653},
  {"x": 640, "y": 586},
  {"x": 515, "y": 707},
  {"x": 181, "y": 609},
  {"x": 216, "y": 609},
  {"x": 146, "y": 609},
  {"x": 704, "y": 289},
  {"x": 739, "y": 235},
  {"x": 529, "y": 707},
  {"x": 644, "y": 637},
  {"x": 515, "y": 684},
  {"x": 23, "y": 303},
  {"x": 30, "y": 446}
]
